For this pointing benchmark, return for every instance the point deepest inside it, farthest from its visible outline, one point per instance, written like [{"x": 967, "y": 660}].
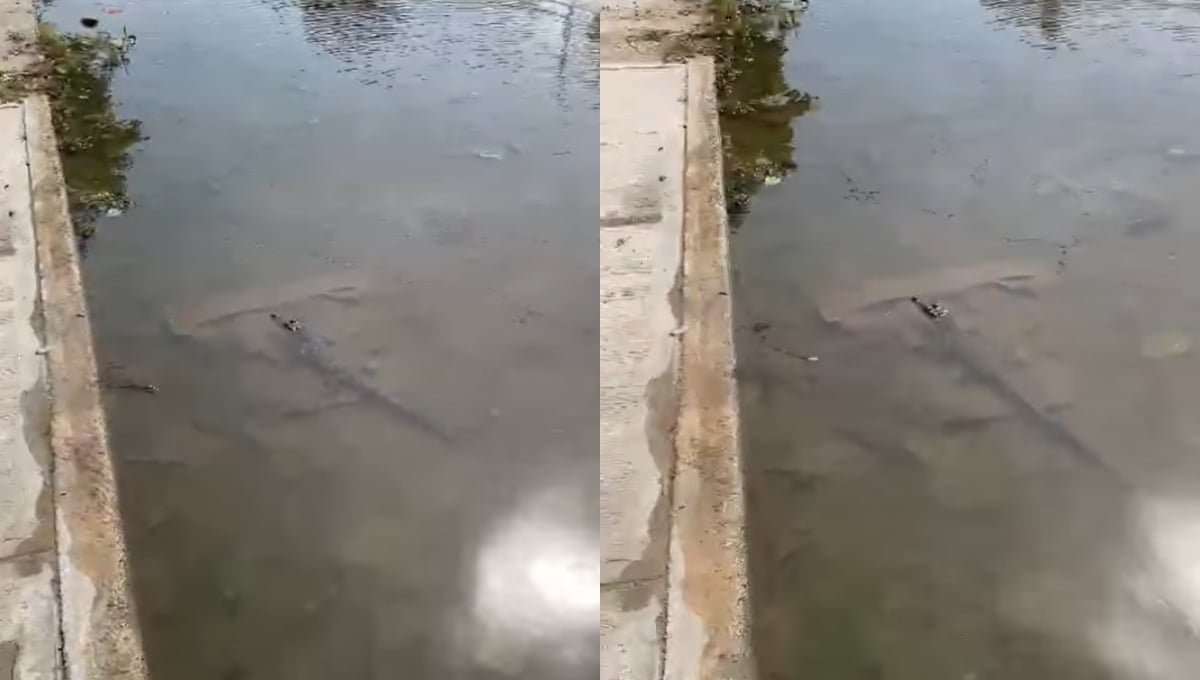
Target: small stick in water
[{"x": 140, "y": 387}]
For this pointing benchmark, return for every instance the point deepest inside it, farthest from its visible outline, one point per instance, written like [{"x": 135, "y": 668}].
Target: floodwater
[
  {"x": 1013, "y": 490},
  {"x": 399, "y": 483}
]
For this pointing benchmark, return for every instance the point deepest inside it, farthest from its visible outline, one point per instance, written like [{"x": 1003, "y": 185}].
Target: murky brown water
[
  {"x": 1012, "y": 491},
  {"x": 404, "y": 487}
]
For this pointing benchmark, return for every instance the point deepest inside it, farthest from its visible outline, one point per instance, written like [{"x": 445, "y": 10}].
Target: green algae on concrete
[
  {"x": 757, "y": 104},
  {"x": 94, "y": 142}
]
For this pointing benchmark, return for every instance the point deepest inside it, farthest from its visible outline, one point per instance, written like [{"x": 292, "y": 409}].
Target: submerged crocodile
[
  {"x": 309, "y": 350},
  {"x": 951, "y": 346}
]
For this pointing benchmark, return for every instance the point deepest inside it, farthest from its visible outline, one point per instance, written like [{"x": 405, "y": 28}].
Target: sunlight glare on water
[{"x": 535, "y": 585}]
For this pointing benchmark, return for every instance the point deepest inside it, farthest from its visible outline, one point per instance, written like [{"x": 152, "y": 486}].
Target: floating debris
[
  {"x": 810, "y": 358},
  {"x": 89, "y": 22},
  {"x": 139, "y": 387}
]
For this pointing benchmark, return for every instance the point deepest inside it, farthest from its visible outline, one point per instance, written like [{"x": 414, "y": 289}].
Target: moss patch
[
  {"x": 757, "y": 104},
  {"x": 94, "y": 142}
]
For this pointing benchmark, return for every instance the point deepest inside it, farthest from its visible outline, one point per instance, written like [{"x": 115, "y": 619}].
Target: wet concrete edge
[
  {"x": 100, "y": 634},
  {"x": 639, "y": 327},
  {"x": 708, "y": 634}
]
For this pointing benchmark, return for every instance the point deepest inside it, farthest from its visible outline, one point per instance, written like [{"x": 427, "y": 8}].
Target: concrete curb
[
  {"x": 100, "y": 636},
  {"x": 707, "y": 613},
  {"x": 642, "y": 153},
  {"x": 673, "y": 580}
]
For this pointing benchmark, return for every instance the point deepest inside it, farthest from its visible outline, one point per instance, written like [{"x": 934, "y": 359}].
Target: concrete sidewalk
[
  {"x": 28, "y": 593},
  {"x": 65, "y": 610},
  {"x": 673, "y": 579}
]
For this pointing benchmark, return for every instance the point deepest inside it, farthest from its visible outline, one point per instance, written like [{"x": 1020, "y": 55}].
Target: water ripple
[
  {"x": 514, "y": 37},
  {"x": 1053, "y": 23}
]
